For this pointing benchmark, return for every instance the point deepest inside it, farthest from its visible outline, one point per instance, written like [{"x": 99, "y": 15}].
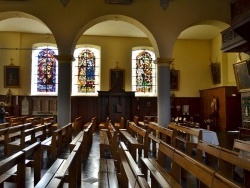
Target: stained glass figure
[
  {"x": 47, "y": 65},
  {"x": 86, "y": 71},
  {"x": 144, "y": 72}
]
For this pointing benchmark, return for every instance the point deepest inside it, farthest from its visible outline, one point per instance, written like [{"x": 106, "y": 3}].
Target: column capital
[
  {"x": 65, "y": 58},
  {"x": 164, "y": 61}
]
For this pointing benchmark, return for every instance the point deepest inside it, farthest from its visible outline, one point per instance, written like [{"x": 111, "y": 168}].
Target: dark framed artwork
[
  {"x": 215, "y": 72},
  {"x": 11, "y": 76},
  {"x": 174, "y": 80},
  {"x": 117, "y": 79},
  {"x": 242, "y": 76}
]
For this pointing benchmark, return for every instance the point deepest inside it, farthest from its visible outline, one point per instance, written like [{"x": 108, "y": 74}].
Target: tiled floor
[{"x": 90, "y": 167}]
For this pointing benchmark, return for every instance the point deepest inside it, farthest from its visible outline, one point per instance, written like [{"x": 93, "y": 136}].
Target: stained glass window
[
  {"x": 144, "y": 72},
  {"x": 86, "y": 71},
  {"x": 44, "y": 71}
]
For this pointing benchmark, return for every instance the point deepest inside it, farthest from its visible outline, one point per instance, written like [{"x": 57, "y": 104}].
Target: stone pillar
[
  {"x": 64, "y": 89},
  {"x": 163, "y": 90}
]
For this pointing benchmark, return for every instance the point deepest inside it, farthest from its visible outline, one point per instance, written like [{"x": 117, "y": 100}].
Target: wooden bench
[
  {"x": 107, "y": 175},
  {"x": 11, "y": 173},
  {"x": 13, "y": 133},
  {"x": 19, "y": 144},
  {"x": 120, "y": 124},
  {"x": 157, "y": 134},
  {"x": 108, "y": 142},
  {"x": 35, "y": 120},
  {"x": 63, "y": 171},
  {"x": 157, "y": 168},
  {"x": 136, "y": 138},
  {"x": 179, "y": 160},
  {"x": 183, "y": 137},
  {"x": 4, "y": 125},
  {"x": 17, "y": 121},
  {"x": 10, "y": 162},
  {"x": 227, "y": 160},
  {"x": 93, "y": 126},
  {"x": 77, "y": 125},
  {"x": 104, "y": 125},
  {"x": 129, "y": 173},
  {"x": 59, "y": 138},
  {"x": 28, "y": 136}
]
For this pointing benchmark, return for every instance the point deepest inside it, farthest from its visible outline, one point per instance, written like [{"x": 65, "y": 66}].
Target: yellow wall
[{"x": 191, "y": 57}]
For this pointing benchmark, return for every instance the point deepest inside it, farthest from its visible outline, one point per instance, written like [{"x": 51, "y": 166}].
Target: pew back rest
[
  {"x": 240, "y": 145},
  {"x": 50, "y": 119},
  {"x": 132, "y": 171},
  {"x": 135, "y": 130},
  {"x": 160, "y": 132},
  {"x": 4, "y": 125}
]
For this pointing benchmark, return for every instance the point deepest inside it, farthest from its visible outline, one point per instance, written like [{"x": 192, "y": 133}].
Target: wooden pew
[
  {"x": 87, "y": 140},
  {"x": 108, "y": 142},
  {"x": 4, "y": 125},
  {"x": 28, "y": 136},
  {"x": 120, "y": 124},
  {"x": 54, "y": 144},
  {"x": 10, "y": 162},
  {"x": 156, "y": 167},
  {"x": 35, "y": 120},
  {"x": 13, "y": 133},
  {"x": 17, "y": 121},
  {"x": 104, "y": 125},
  {"x": 157, "y": 134},
  {"x": 206, "y": 175},
  {"x": 63, "y": 171},
  {"x": 136, "y": 138},
  {"x": 183, "y": 137},
  {"x": 49, "y": 119},
  {"x": 227, "y": 161},
  {"x": 130, "y": 174},
  {"x": 11, "y": 172},
  {"x": 19, "y": 144},
  {"x": 77, "y": 125},
  {"x": 107, "y": 173}
]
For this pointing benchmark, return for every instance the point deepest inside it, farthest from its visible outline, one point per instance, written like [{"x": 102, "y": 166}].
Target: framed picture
[
  {"x": 11, "y": 76},
  {"x": 242, "y": 76},
  {"x": 117, "y": 79},
  {"x": 174, "y": 80},
  {"x": 215, "y": 72}
]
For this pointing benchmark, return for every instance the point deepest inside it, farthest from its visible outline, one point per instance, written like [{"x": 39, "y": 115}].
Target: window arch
[
  {"x": 143, "y": 72},
  {"x": 44, "y": 71},
  {"x": 85, "y": 71}
]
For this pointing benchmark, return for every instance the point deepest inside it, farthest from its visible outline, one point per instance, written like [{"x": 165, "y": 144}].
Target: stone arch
[{"x": 118, "y": 18}]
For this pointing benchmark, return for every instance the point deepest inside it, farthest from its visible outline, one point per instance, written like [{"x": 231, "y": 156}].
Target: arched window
[
  {"x": 44, "y": 71},
  {"x": 85, "y": 71},
  {"x": 143, "y": 72}
]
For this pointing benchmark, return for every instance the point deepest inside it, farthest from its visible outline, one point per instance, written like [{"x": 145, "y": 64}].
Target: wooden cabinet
[
  {"x": 228, "y": 115},
  {"x": 115, "y": 105}
]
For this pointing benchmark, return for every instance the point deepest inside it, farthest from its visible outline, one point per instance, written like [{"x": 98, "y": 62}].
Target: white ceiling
[{"x": 107, "y": 28}]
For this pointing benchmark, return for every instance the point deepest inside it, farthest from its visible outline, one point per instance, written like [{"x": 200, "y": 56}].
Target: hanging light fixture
[
  {"x": 164, "y": 4},
  {"x": 64, "y": 2}
]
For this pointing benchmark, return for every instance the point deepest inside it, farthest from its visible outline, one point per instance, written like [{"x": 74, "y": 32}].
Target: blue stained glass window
[{"x": 46, "y": 78}]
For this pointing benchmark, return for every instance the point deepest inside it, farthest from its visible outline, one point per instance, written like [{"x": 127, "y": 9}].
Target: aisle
[{"x": 90, "y": 167}]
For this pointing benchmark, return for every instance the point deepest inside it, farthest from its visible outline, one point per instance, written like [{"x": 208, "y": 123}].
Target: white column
[
  {"x": 64, "y": 90},
  {"x": 163, "y": 85}
]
